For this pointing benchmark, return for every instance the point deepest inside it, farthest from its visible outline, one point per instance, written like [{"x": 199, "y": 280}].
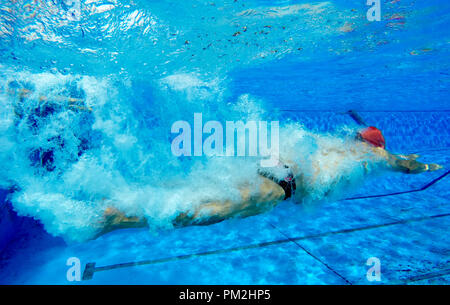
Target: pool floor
[{"x": 329, "y": 244}]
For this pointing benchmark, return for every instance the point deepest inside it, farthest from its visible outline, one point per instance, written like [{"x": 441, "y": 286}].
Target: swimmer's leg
[
  {"x": 251, "y": 203},
  {"x": 114, "y": 220},
  {"x": 268, "y": 195}
]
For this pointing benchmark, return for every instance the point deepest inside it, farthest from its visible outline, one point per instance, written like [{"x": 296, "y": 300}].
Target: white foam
[{"x": 129, "y": 164}]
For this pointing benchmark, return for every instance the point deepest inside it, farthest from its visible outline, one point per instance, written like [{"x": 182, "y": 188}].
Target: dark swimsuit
[{"x": 287, "y": 183}]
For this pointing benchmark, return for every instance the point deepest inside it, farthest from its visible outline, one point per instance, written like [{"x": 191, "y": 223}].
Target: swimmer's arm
[
  {"x": 413, "y": 167},
  {"x": 402, "y": 163}
]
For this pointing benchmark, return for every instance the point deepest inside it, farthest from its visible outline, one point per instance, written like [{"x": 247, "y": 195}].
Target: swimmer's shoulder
[{"x": 381, "y": 152}]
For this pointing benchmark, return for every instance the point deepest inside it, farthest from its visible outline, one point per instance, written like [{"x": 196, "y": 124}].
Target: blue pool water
[{"x": 141, "y": 66}]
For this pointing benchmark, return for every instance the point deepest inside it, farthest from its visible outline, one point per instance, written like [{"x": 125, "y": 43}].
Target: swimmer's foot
[{"x": 112, "y": 216}]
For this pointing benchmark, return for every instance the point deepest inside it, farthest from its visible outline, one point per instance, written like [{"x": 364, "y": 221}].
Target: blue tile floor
[{"x": 290, "y": 245}]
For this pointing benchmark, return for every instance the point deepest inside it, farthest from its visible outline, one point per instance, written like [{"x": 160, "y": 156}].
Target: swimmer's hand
[
  {"x": 410, "y": 166},
  {"x": 434, "y": 167},
  {"x": 430, "y": 167}
]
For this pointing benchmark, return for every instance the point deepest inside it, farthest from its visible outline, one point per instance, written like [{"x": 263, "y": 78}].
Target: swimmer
[
  {"x": 267, "y": 189},
  {"x": 271, "y": 191},
  {"x": 22, "y": 94}
]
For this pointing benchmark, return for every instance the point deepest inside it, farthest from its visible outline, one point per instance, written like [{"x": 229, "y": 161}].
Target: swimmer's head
[{"x": 373, "y": 136}]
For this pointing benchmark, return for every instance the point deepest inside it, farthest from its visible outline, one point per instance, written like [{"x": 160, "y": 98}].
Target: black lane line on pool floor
[
  {"x": 90, "y": 268},
  {"x": 312, "y": 255},
  {"x": 403, "y": 192},
  {"x": 426, "y": 276}
]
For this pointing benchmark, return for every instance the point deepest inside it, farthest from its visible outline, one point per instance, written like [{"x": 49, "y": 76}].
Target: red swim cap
[{"x": 373, "y": 136}]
